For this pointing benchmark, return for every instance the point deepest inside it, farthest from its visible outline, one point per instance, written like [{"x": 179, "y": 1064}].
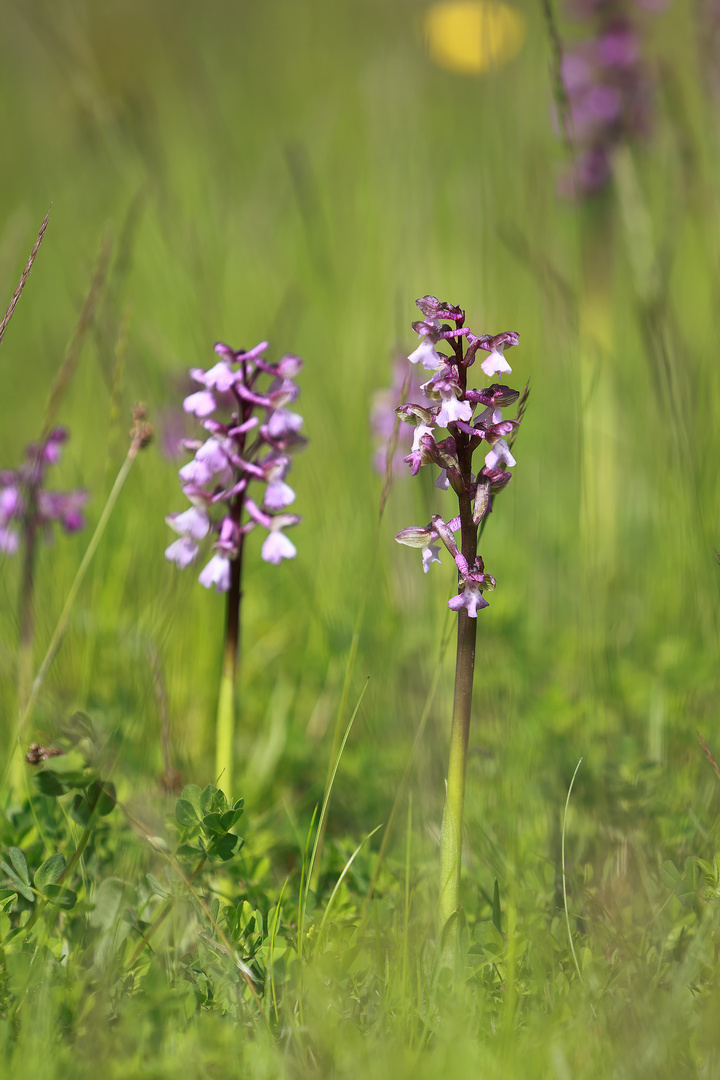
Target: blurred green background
[{"x": 302, "y": 172}]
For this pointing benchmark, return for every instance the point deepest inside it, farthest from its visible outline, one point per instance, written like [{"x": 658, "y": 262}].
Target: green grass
[{"x": 302, "y": 173}]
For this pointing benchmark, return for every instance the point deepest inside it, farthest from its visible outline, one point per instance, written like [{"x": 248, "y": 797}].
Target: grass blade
[
  {"x": 23, "y": 278},
  {"x": 564, "y": 882}
]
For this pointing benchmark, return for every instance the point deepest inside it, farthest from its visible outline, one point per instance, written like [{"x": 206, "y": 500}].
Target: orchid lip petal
[
  {"x": 277, "y": 547},
  {"x": 9, "y": 541},
  {"x": 182, "y": 552},
  {"x": 499, "y": 452},
  {"x": 10, "y": 502},
  {"x": 195, "y": 472},
  {"x": 470, "y": 598},
  {"x": 283, "y": 422},
  {"x": 430, "y": 554},
  {"x": 200, "y": 404},
  {"x": 495, "y": 363},
  {"x": 278, "y": 495},
  {"x": 212, "y": 454},
  {"x": 427, "y": 355},
  {"x": 220, "y": 377},
  {"x": 191, "y": 523},
  {"x": 217, "y": 573},
  {"x": 289, "y": 366},
  {"x": 452, "y": 410}
]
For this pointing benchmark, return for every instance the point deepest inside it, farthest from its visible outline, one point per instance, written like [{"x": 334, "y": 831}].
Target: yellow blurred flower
[{"x": 473, "y": 37}]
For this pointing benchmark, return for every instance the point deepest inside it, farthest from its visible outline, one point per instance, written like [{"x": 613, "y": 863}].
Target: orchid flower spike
[
  {"x": 447, "y": 400},
  {"x": 250, "y": 435}
]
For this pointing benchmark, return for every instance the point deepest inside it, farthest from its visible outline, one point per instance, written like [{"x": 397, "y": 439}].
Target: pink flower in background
[
  {"x": 26, "y": 506},
  {"x": 383, "y": 417},
  {"x": 608, "y": 87}
]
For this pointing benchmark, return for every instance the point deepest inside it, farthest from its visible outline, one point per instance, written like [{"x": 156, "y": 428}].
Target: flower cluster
[
  {"x": 251, "y": 433},
  {"x": 405, "y": 384},
  {"x": 26, "y": 506},
  {"x": 608, "y": 89},
  {"x": 472, "y": 418}
]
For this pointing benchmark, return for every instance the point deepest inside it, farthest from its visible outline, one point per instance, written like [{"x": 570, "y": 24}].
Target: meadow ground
[{"x": 301, "y": 173}]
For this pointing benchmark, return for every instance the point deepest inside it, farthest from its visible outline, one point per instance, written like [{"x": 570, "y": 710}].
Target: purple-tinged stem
[
  {"x": 451, "y": 838},
  {"x": 451, "y": 841}
]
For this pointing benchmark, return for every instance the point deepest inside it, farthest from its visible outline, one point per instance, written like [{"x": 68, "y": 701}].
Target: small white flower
[
  {"x": 426, "y": 355},
  {"x": 500, "y": 451},
  {"x": 470, "y": 598},
  {"x": 496, "y": 363},
  {"x": 453, "y": 409},
  {"x": 277, "y": 547},
  {"x": 191, "y": 523},
  {"x": 200, "y": 404},
  {"x": 430, "y": 554},
  {"x": 182, "y": 552},
  {"x": 420, "y": 430},
  {"x": 217, "y": 573}
]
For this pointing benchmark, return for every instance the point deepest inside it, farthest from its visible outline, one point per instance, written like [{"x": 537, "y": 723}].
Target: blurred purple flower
[
  {"x": 241, "y": 448},
  {"x": 608, "y": 89},
  {"x": 383, "y": 417},
  {"x": 172, "y": 427},
  {"x": 26, "y": 506}
]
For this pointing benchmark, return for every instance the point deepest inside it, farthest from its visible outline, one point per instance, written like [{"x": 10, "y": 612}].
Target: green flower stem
[
  {"x": 225, "y": 730},
  {"x": 27, "y": 612},
  {"x": 225, "y": 727}
]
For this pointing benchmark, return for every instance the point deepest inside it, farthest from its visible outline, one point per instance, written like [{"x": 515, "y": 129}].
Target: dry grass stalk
[{"x": 23, "y": 278}]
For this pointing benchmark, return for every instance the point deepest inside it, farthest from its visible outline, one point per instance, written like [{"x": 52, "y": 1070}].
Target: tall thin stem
[
  {"x": 225, "y": 730},
  {"x": 451, "y": 838},
  {"x": 27, "y": 607},
  {"x": 23, "y": 278},
  {"x": 451, "y": 841},
  {"x": 140, "y": 439},
  {"x": 454, "y": 455}
]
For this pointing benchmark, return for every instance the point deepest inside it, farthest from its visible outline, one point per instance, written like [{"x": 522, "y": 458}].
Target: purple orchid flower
[
  {"x": 473, "y": 419},
  {"x": 250, "y": 435},
  {"x": 608, "y": 88},
  {"x": 27, "y": 507},
  {"x": 457, "y": 405}
]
